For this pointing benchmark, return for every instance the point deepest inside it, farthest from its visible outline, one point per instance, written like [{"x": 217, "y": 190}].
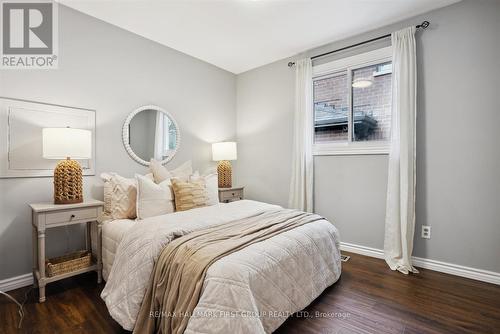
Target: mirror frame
[{"x": 126, "y": 133}]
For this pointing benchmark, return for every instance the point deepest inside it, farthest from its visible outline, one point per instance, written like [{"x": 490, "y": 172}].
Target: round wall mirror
[{"x": 151, "y": 132}]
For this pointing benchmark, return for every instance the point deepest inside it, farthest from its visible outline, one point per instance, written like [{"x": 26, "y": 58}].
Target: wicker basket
[{"x": 68, "y": 263}]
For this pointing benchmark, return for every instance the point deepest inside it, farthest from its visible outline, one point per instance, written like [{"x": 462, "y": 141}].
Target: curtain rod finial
[{"x": 423, "y": 25}]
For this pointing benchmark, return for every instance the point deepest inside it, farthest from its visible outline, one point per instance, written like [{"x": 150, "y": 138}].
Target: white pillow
[
  {"x": 183, "y": 171},
  {"x": 153, "y": 199},
  {"x": 161, "y": 173},
  {"x": 212, "y": 185}
]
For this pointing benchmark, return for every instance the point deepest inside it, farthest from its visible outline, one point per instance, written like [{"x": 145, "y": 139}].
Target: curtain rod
[{"x": 423, "y": 25}]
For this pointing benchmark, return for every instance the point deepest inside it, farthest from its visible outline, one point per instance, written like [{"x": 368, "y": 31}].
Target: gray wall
[
  {"x": 458, "y": 186},
  {"x": 264, "y": 125},
  {"x": 113, "y": 71}
]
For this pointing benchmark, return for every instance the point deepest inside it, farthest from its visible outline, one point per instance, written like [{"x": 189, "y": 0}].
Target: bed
[
  {"x": 112, "y": 234},
  {"x": 252, "y": 290}
]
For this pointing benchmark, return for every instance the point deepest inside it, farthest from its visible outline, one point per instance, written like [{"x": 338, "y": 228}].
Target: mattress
[{"x": 112, "y": 234}]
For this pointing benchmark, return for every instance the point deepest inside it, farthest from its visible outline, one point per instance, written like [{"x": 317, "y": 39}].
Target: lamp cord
[{"x": 19, "y": 305}]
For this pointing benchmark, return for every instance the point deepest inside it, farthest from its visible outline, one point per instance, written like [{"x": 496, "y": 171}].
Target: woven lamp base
[
  {"x": 68, "y": 182},
  {"x": 224, "y": 170}
]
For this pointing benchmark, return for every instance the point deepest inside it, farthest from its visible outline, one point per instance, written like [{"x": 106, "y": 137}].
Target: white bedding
[
  {"x": 253, "y": 290},
  {"x": 112, "y": 234}
]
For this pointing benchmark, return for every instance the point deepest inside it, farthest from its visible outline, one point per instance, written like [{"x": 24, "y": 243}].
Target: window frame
[{"x": 349, "y": 64}]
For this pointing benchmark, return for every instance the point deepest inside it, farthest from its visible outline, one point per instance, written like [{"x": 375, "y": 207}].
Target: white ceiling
[{"x": 238, "y": 35}]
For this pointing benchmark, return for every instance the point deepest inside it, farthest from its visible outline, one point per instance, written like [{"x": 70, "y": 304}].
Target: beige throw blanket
[{"x": 180, "y": 271}]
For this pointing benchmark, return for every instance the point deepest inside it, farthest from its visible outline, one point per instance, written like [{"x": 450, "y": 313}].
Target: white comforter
[{"x": 251, "y": 291}]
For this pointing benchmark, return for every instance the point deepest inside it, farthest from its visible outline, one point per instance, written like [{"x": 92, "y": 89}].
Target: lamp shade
[
  {"x": 61, "y": 143},
  {"x": 224, "y": 151}
]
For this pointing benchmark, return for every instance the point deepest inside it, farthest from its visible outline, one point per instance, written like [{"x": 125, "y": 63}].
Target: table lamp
[
  {"x": 67, "y": 144},
  {"x": 223, "y": 152}
]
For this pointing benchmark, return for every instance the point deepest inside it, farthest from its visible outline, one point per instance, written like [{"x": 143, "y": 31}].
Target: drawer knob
[{"x": 72, "y": 216}]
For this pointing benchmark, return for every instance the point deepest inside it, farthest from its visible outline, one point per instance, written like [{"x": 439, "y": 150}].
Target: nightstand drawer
[
  {"x": 230, "y": 195},
  {"x": 70, "y": 215}
]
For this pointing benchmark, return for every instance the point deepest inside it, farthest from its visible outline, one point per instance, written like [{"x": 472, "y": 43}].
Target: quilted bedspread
[{"x": 253, "y": 290}]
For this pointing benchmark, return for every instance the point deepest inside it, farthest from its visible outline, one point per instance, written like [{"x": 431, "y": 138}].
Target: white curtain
[
  {"x": 400, "y": 209},
  {"x": 159, "y": 135},
  {"x": 301, "y": 185}
]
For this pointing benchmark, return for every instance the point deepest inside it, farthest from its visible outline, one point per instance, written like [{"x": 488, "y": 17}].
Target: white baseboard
[
  {"x": 443, "y": 267},
  {"x": 363, "y": 250},
  {"x": 16, "y": 282},
  {"x": 458, "y": 270}
]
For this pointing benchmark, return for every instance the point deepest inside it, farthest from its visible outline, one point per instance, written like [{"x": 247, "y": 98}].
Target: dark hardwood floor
[{"x": 369, "y": 298}]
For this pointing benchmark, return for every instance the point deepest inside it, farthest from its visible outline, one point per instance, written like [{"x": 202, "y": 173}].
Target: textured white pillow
[
  {"x": 161, "y": 173},
  {"x": 212, "y": 185},
  {"x": 120, "y": 195},
  {"x": 153, "y": 199},
  {"x": 123, "y": 197}
]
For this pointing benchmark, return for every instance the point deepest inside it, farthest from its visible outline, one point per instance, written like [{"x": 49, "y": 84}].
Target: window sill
[{"x": 351, "y": 149}]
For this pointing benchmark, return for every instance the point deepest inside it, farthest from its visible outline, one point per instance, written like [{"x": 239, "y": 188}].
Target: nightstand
[
  {"x": 227, "y": 195},
  {"x": 48, "y": 215}
]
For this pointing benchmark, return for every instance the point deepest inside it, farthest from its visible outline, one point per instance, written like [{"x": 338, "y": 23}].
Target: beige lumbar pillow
[
  {"x": 189, "y": 195},
  {"x": 153, "y": 199},
  {"x": 161, "y": 173}
]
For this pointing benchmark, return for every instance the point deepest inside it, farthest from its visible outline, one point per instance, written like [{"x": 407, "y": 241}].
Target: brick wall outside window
[
  {"x": 332, "y": 92},
  {"x": 373, "y": 101}
]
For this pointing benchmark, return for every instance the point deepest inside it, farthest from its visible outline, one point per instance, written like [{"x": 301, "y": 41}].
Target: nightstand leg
[
  {"x": 41, "y": 293},
  {"x": 34, "y": 240},
  {"x": 41, "y": 265},
  {"x": 99, "y": 252}
]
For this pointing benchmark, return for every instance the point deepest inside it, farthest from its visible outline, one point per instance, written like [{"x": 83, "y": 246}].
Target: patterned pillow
[
  {"x": 123, "y": 197},
  {"x": 189, "y": 195},
  {"x": 120, "y": 196}
]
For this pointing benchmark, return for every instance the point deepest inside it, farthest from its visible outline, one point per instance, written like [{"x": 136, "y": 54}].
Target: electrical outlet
[{"x": 426, "y": 231}]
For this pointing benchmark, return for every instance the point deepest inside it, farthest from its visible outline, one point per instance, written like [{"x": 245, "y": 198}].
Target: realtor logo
[{"x": 29, "y": 34}]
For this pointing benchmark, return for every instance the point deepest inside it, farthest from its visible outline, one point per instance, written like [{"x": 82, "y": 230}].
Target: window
[
  {"x": 352, "y": 104},
  {"x": 169, "y": 140}
]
